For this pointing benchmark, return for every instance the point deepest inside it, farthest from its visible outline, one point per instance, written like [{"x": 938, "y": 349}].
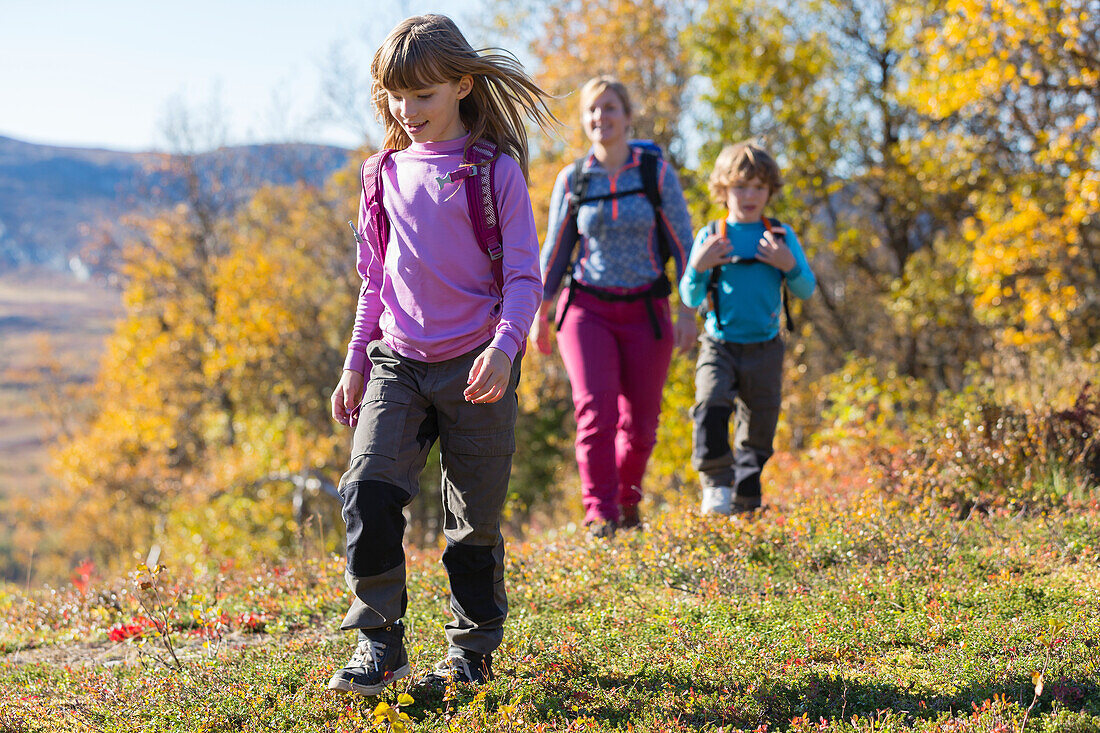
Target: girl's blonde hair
[
  {"x": 430, "y": 49},
  {"x": 742, "y": 162},
  {"x": 596, "y": 86}
]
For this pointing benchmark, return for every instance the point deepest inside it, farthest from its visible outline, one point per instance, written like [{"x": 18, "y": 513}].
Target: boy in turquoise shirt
[{"x": 741, "y": 265}]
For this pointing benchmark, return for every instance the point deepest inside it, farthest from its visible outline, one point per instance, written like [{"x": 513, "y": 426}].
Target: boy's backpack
[
  {"x": 477, "y": 176},
  {"x": 779, "y": 231},
  {"x": 649, "y": 164}
]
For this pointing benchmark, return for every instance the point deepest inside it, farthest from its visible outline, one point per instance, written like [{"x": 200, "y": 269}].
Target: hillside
[
  {"x": 839, "y": 609},
  {"x": 54, "y": 199}
]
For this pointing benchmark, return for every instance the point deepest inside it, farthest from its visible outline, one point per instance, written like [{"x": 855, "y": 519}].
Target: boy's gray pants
[
  {"x": 747, "y": 378},
  {"x": 407, "y": 406}
]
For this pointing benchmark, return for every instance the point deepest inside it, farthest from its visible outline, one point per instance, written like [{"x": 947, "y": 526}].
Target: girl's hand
[
  {"x": 346, "y": 396},
  {"x": 540, "y": 333},
  {"x": 774, "y": 251},
  {"x": 489, "y": 377},
  {"x": 713, "y": 251}
]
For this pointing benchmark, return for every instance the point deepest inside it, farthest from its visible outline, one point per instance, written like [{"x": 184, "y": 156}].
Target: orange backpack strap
[{"x": 774, "y": 226}]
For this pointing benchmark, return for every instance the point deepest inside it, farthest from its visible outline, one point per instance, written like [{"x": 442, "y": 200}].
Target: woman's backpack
[{"x": 649, "y": 164}]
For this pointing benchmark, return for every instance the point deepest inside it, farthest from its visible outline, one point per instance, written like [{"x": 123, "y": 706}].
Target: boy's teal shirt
[{"x": 750, "y": 295}]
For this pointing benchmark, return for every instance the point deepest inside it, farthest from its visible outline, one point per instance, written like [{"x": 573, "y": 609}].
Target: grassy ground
[{"x": 820, "y": 614}]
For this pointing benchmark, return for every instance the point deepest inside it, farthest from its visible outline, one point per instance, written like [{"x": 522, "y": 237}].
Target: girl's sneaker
[{"x": 379, "y": 659}]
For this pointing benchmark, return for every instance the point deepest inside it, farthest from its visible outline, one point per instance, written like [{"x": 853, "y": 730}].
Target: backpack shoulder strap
[
  {"x": 650, "y": 168},
  {"x": 713, "y": 228},
  {"x": 774, "y": 226},
  {"x": 650, "y": 164},
  {"x": 713, "y": 291},
  {"x": 778, "y": 230},
  {"x": 578, "y": 186},
  {"x": 371, "y": 175},
  {"x": 578, "y": 189},
  {"x": 481, "y": 202}
]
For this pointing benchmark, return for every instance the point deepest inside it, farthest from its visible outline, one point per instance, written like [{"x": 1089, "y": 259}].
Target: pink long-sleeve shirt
[{"x": 434, "y": 297}]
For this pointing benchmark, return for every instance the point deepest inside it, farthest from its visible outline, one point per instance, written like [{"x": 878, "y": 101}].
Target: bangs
[
  {"x": 746, "y": 166},
  {"x": 748, "y": 169},
  {"x": 411, "y": 64}
]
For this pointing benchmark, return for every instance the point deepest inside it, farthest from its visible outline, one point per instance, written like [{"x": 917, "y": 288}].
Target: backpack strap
[
  {"x": 578, "y": 189},
  {"x": 477, "y": 178},
  {"x": 777, "y": 230},
  {"x": 481, "y": 203},
  {"x": 651, "y": 186},
  {"x": 649, "y": 164},
  {"x": 780, "y": 232},
  {"x": 715, "y": 275},
  {"x": 578, "y": 194},
  {"x": 578, "y": 186},
  {"x": 371, "y": 175}
]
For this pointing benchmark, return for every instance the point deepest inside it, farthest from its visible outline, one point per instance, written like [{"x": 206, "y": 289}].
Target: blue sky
[{"x": 109, "y": 73}]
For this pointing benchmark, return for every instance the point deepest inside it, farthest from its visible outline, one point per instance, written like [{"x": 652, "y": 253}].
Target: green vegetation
[
  {"x": 844, "y": 607},
  {"x": 931, "y": 560}
]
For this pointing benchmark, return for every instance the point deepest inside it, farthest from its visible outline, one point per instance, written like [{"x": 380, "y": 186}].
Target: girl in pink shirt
[{"x": 438, "y": 335}]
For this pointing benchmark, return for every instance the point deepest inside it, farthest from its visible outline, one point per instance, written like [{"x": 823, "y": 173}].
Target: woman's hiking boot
[
  {"x": 632, "y": 519},
  {"x": 600, "y": 528},
  {"x": 378, "y": 660}
]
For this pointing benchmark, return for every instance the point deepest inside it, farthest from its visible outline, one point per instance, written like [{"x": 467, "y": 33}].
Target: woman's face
[{"x": 604, "y": 119}]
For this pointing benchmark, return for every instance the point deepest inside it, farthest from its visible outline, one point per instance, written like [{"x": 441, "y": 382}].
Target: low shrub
[{"x": 983, "y": 455}]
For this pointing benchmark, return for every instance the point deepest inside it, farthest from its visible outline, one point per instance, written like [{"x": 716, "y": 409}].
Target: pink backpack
[{"x": 477, "y": 177}]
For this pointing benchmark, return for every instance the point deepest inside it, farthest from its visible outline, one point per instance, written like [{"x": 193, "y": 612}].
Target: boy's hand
[
  {"x": 346, "y": 396},
  {"x": 713, "y": 251},
  {"x": 774, "y": 251},
  {"x": 489, "y": 377}
]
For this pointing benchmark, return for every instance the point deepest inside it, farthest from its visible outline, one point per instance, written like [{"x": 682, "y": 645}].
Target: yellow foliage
[{"x": 214, "y": 386}]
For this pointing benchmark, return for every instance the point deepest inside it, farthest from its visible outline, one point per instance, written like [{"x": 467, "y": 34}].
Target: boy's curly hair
[{"x": 741, "y": 162}]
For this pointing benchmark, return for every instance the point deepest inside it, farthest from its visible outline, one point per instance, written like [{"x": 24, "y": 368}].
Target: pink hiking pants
[{"x": 617, "y": 369}]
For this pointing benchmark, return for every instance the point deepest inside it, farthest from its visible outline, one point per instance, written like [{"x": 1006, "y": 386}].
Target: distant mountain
[{"x": 53, "y": 199}]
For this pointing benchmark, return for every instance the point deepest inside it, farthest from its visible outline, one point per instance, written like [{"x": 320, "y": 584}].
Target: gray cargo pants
[
  {"x": 747, "y": 378},
  {"x": 407, "y": 406}
]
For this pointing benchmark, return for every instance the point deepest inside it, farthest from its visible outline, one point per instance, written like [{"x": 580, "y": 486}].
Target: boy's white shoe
[{"x": 717, "y": 500}]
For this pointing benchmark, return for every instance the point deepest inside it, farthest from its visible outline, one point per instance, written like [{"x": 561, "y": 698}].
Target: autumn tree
[
  {"x": 214, "y": 387},
  {"x": 1016, "y": 83}
]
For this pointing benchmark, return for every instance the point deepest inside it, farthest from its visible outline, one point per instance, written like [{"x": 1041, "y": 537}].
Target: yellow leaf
[{"x": 1037, "y": 678}]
